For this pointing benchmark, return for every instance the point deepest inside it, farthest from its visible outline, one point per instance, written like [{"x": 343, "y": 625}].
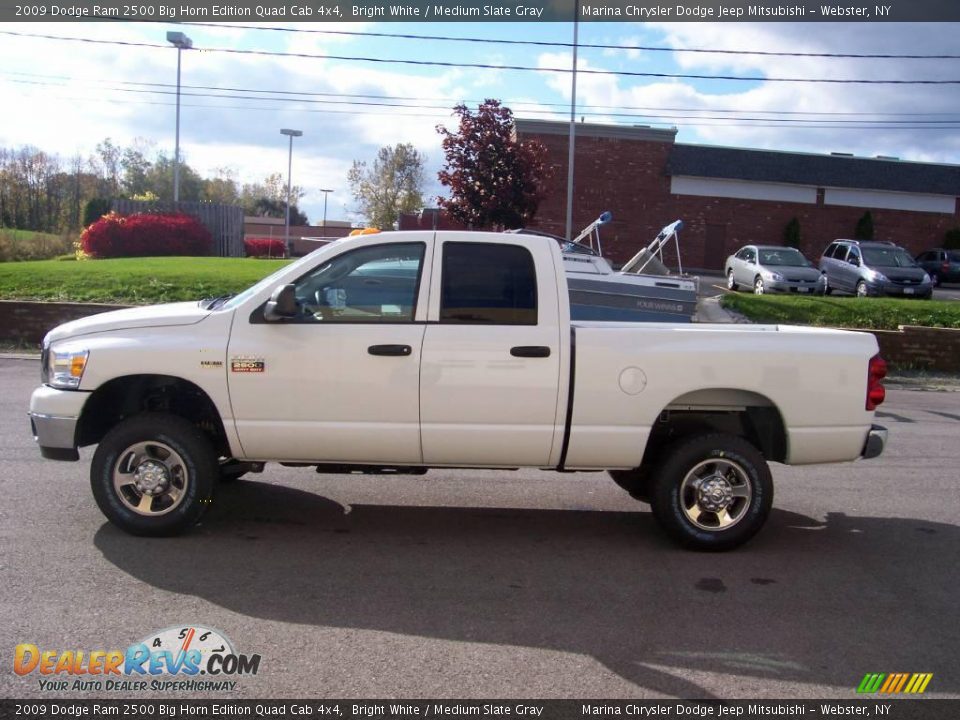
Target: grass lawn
[
  {"x": 28, "y": 235},
  {"x": 845, "y": 312},
  {"x": 131, "y": 281}
]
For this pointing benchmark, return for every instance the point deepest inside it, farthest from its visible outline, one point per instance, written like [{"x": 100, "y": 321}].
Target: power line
[
  {"x": 597, "y": 46},
  {"x": 708, "y": 121},
  {"x": 487, "y": 66},
  {"x": 453, "y": 101}
]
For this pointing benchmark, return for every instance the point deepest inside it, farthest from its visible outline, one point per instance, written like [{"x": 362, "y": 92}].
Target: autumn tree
[
  {"x": 494, "y": 179},
  {"x": 391, "y": 185},
  {"x": 269, "y": 199}
]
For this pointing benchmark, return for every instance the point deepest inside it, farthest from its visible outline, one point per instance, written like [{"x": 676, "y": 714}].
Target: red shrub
[
  {"x": 265, "y": 247},
  {"x": 146, "y": 234}
]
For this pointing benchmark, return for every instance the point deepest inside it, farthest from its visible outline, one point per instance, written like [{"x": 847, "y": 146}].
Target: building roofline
[
  {"x": 597, "y": 130},
  {"x": 830, "y": 156}
]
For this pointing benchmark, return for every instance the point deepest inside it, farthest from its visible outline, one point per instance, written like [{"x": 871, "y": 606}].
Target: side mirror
[
  {"x": 282, "y": 304},
  {"x": 854, "y": 261}
]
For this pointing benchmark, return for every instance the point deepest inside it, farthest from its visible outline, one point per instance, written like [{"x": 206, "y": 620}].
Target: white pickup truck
[{"x": 404, "y": 351}]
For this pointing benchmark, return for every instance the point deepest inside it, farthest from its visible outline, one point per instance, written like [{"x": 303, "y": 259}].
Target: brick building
[{"x": 728, "y": 197}]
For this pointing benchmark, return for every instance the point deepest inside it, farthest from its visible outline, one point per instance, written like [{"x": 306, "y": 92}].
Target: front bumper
[
  {"x": 54, "y": 415},
  {"x": 888, "y": 288},
  {"x": 794, "y": 286},
  {"x": 876, "y": 441}
]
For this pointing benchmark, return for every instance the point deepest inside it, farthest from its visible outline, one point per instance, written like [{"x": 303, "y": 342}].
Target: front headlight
[
  {"x": 877, "y": 276},
  {"x": 776, "y": 276},
  {"x": 65, "y": 369},
  {"x": 926, "y": 279}
]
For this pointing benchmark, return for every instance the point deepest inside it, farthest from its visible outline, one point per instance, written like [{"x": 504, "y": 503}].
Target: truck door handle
[
  {"x": 396, "y": 350},
  {"x": 530, "y": 351}
]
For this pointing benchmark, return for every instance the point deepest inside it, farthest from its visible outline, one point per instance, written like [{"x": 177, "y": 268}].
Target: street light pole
[
  {"x": 286, "y": 226},
  {"x": 181, "y": 42},
  {"x": 325, "y": 192},
  {"x": 573, "y": 124}
]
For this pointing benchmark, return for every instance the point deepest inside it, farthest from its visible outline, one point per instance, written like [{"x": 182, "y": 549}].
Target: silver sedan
[{"x": 772, "y": 268}]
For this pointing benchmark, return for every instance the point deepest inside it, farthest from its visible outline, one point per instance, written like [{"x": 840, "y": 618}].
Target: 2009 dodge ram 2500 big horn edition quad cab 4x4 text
[{"x": 413, "y": 350}]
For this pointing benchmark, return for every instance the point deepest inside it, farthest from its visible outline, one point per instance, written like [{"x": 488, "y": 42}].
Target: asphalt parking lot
[{"x": 523, "y": 584}]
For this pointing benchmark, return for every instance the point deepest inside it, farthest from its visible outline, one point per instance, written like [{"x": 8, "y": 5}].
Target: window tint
[
  {"x": 372, "y": 284},
  {"x": 488, "y": 283},
  {"x": 831, "y": 251}
]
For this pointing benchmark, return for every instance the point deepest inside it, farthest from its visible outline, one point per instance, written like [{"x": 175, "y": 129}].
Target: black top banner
[{"x": 482, "y": 11}]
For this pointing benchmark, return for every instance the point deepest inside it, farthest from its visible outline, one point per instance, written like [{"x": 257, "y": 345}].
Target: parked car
[
  {"x": 869, "y": 267},
  {"x": 941, "y": 265},
  {"x": 772, "y": 268}
]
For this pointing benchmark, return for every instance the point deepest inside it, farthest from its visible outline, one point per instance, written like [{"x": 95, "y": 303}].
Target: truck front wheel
[
  {"x": 712, "y": 492},
  {"x": 154, "y": 474}
]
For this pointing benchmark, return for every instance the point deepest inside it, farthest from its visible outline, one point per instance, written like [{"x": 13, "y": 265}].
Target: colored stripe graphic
[
  {"x": 893, "y": 683},
  {"x": 871, "y": 682}
]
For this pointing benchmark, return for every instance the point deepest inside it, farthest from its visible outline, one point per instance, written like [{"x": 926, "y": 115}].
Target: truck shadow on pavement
[{"x": 805, "y": 602}]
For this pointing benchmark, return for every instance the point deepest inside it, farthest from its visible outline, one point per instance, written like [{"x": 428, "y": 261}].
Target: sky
[{"x": 64, "y": 97}]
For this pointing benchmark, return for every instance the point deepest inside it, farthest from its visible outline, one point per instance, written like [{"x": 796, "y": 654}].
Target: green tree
[
  {"x": 494, "y": 179},
  {"x": 391, "y": 185},
  {"x": 951, "y": 239},
  {"x": 159, "y": 180},
  {"x": 864, "y": 228},
  {"x": 791, "y": 233}
]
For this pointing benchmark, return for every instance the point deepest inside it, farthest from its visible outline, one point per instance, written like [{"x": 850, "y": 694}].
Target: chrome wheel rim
[
  {"x": 150, "y": 478},
  {"x": 715, "y": 495},
  {"x": 758, "y": 286},
  {"x": 861, "y": 290},
  {"x": 730, "y": 282}
]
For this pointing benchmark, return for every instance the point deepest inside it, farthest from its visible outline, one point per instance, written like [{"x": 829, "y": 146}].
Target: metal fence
[{"x": 225, "y": 222}]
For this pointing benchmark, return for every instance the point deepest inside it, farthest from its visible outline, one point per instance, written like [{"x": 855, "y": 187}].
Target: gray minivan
[{"x": 868, "y": 267}]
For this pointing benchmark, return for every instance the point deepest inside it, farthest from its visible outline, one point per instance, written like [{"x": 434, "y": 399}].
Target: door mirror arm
[{"x": 281, "y": 305}]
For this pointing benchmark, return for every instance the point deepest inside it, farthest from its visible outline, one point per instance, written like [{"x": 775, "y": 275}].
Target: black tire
[
  {"x": 675, "y": 489},
  {"x": 164, "y": 440},
  {"x": 636, "y": 482},
  {"x": 731, "y": 283}
]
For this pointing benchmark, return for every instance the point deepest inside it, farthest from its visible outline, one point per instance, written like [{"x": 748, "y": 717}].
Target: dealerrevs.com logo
[{"x": 187, "y": 657}]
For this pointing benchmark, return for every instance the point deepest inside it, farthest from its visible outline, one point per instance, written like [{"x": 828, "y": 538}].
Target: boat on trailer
[{"x": 643, "y": 290}]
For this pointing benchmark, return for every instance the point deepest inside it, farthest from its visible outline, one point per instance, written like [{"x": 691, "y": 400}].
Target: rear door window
[{"x": 488, "y": 283}]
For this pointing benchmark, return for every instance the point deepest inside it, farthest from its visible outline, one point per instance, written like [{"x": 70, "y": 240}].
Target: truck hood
[{"x": 183, "y": 313}]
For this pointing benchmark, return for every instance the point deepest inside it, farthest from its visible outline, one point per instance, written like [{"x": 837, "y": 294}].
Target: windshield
[
  {"x": 787, "y": 257},
  {"x": 954, "y": 256},
  {"x": 886, "y": 257},
  {"x": 269, "y": 280}
]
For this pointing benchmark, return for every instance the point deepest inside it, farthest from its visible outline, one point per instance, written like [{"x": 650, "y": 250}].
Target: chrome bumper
[
  {"x": 55, "y": 436},
  {"x": 876, "y": 440}
]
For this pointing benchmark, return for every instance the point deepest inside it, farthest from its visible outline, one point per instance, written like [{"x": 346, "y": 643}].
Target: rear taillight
[{"x": 876, "y": 372}]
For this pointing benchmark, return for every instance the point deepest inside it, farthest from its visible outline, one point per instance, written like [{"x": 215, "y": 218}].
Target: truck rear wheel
[
  {"x": 712, "y": 492},
  {"x": 154, "y": 474}
]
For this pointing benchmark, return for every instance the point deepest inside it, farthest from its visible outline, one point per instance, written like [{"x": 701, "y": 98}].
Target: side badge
[{"x": 247, "y": 365}]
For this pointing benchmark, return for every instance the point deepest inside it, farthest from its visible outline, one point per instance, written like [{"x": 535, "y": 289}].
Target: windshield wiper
[{"x": 215, "y": 302}]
